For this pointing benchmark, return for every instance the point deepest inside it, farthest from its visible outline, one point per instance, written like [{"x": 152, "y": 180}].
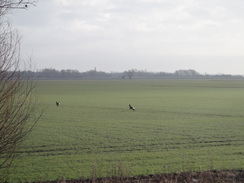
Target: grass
[{"x": 178, "y": 126}]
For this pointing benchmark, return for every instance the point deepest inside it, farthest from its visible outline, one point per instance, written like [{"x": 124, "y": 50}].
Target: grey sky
[{"x": 152, "y": 35}]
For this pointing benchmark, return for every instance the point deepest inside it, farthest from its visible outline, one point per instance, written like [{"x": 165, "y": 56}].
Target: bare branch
[
  {"x": 17, "y": 106},
  {"x": 8, "y": 5}
]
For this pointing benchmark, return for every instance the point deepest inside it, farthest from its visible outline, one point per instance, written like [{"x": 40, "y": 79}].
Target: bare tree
[
  {"x": 17, "y": 106},
  {"x": 130, "y": 73}
]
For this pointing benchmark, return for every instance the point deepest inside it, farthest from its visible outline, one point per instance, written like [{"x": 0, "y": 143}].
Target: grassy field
[{"x": 178, "y": 126}]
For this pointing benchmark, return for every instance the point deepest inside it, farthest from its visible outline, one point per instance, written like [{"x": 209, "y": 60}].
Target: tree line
[{"x": 46, "y": 74}]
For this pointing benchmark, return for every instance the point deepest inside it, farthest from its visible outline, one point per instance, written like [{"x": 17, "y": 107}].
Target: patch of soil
[{"x": 236, "y": 176}]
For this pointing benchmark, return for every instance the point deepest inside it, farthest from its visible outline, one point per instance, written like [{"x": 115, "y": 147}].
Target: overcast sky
[{"x": 118, "y": 35}]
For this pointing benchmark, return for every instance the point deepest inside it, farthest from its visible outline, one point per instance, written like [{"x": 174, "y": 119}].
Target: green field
[{"x": 178, "y": 125}]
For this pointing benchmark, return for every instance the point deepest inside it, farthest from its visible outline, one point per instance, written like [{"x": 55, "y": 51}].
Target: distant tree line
[{"x": 49, "y": 74}]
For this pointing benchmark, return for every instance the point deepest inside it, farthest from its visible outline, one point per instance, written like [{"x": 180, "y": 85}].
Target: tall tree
[{"x": 17, "y": 105}]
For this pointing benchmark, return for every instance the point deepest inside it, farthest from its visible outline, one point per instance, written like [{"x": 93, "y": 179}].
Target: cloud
[{"x": 135, "y": 33}]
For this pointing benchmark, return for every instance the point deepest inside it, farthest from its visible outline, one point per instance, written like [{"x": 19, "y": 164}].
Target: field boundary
[{"x": 211, "y": 176}]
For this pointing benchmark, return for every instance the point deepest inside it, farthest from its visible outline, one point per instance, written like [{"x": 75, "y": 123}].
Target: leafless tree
[
  {"x": 130, "y": 73},
  {"x": 17, "y": 105}
]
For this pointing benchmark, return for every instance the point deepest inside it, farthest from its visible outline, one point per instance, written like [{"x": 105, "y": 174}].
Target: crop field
[{"x": 178, "y": 126}]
